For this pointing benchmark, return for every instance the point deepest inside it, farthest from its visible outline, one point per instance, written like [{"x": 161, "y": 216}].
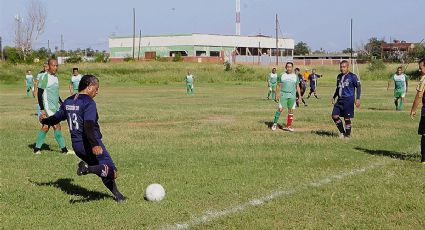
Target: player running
[
  {"x": 302, "y": 86},
  {"x": 313, "y": 77},
  {"x": 400, "y": 87},
  {"x": 271, "y": 84},
  {"x": 346, "y": 85},
  {"x": 81, "y": 114},
  {"x": 74, "y": 81},
  {"x": 48, "y": 100},
  {"x": 288, "y": 86},
  {"x": 190, "y": 80},
  {"x": 29, "y": 83}
]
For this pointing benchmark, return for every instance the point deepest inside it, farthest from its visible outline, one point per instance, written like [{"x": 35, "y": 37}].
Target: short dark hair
[
  {"x": 86, "y": 81},
  {"x": 51, "y": 59},
  {"x": 422, "y": 61},
  {"x": 344, "y": 61},
  {"x": 289, "y": 63},
  {"x": 297, "y": 69},
  {"x": 73, "y": 69}
]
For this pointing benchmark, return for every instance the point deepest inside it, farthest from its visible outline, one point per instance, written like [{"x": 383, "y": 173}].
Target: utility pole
[
  {"x": 277, "y": 44},
  {"x": 134, "y": 30},
  {"x": 351, "y": 40},
  {"x": 140, "y": 38},
  {"x": 62, "y": 45}
]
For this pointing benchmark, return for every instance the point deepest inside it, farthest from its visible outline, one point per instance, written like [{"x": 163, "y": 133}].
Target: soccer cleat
[
  {"x": 37, "y": 151},
  {"x": 274, "y": 127},
  {"x": 83, "y": 168},
  {"x": 120, "y": 198},
  {"x": 289, "y": 129},
  {"x": 341, "y": 136},
  {"x": 70, "y": 152}
]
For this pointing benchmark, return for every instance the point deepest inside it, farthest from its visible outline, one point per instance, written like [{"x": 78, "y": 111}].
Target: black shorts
[
  {"x": 344, "y": 107},
  {"x": 421, "y": 129}
]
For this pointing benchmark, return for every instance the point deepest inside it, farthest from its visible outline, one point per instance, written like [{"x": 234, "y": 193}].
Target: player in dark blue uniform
[
  {"x": 313, "y": 77},
  {"x": 302, "y": 86},
  {"x": 348, "y": 90},
  {"x": 81, "y": 114}
]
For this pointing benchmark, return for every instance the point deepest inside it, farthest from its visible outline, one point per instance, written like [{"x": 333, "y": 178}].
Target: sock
[
  {"x": 59, "y": 139},
  {"x": 273, "y": 94},
  {"x": 423, "y": 148},
  {"x": 268, "y": 94},
  {"x": 40, "y": 139},
  {"x": 339, "y": 125},
  {"x": 396, "y": 104},
  {"x": 315, "y": 95},
  {"x": 309, "y": 94},
  {"x": 290, "y": 119},
  {"x": 400, "y": 107},
  {"x": 112, "y": 186},
  {"x": 348, "y": 127},
  {"x": 304, "y": 101},
  {"x": 276, "y": 117},
  {"x": 28, "y": 93},
  {"x": 103, "y": 171}
]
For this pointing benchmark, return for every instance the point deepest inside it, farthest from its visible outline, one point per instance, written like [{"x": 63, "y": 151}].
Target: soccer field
[{"x": 221, "y": 166}]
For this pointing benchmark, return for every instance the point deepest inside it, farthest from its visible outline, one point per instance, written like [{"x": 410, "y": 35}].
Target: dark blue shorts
[
  {"x": 84, "y": 152},
  {"x": 344, "y": 107},
  {"x": 312, "y": 88}
]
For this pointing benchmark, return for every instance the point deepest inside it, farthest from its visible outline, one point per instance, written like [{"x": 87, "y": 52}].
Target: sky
[{"x": 322, "y": 24}]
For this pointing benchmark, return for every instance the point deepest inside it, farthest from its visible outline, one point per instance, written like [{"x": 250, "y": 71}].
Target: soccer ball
[{"x": 154, "y": 192}]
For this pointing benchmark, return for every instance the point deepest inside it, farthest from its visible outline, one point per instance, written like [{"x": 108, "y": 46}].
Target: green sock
[
  {"x": 268, "y": 94},
  {"x": 276, "y": 117},
  {"x": 400, "y": 107},
  {"x": 40, "y": 139},
  {"x": 273, "y": 94},
  {"x": 59, "y": 139}
]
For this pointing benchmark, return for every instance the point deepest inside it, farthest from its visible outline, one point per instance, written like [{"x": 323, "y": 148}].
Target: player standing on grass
[
  {"x": 271, "y": 84},
  {"x": 74, "y": 81},
  {"x": 420, "y": 97},
  {"x": 302, "y": 86},
  {"x": 41, "y": 73},
  {"x": 348, "y": 90},
  {"x": 29, "y": 84},
  {"x": 81, "y": 114},
  {"x": 400, "y": 87},
  {"x": 288, "y": 86},
  {"x": 313, "y": 83},
  {"x": 189, "y": 83},
  {"x": 48, "y": 100}
]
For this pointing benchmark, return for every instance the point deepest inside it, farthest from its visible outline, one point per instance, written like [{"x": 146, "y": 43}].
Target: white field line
[{"x": 212, "y": 215}]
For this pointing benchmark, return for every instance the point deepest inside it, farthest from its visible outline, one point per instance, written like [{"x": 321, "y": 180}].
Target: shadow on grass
[
  {"x": 325, "y": 133},
  {"x": 43, "y": 147},
  {"x": 269, "y": 124},
  {"x": 392, "y": 154},
  {"x": 380, "y": 109},
  {"x": 66, "y": 185}
]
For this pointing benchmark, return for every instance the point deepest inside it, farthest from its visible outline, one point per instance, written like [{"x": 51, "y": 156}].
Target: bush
[
  {"x": 227, "y": 66},
  {"x": 128, "y": 59},
  {"x": 101, "y": 58},
  {"x": 11, "y": 54},
  {"x": 74, "y": 59},
  {"x": 376, "y": 65},
  {"x": 177, "y": 58},
  {"x": 241, "y": 69}
]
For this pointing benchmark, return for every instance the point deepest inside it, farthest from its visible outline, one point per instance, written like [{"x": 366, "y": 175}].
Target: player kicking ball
[
  {"x": 348, "y": 90},
  {"x": 400, "y": 87},
  {"x": 288, "y": 86},
  {"x": 81, "y": 114}
]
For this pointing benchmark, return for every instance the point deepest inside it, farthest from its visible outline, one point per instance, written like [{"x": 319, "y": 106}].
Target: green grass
[{"x": 213, "y": 152}]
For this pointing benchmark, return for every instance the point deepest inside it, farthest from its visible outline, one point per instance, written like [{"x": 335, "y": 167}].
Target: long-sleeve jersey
[{"x": 347, "y": 86}]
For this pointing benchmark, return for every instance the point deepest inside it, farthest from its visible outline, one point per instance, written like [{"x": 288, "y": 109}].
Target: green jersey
[
  {"x": 75, "y": 81},
  {"x": 288, "y": 85},
  {"x": 28, "y": 79},
  {"x": 189, "y": 79},
  {"x": 272, "y": 78},
  {"x": 50, "y": 84},
  {"x": 400, "y": 82}
]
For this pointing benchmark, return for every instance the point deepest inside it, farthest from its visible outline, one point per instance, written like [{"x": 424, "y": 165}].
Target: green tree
[
  {"x": 373, "y": 47},
  {"x": 301, "y": 48},
  {"x": 347, "y": 51}
]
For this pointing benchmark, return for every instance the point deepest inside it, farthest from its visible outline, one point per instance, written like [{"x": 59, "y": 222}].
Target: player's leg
[
  {"x": 401, "y": 104},
  {"x": 348, "y": 114},
  {"x": 28, "y": 91},
  {"x": 277, "y": 114},
  {"x": 291, "y": 107},
  {"x": 192, "y": 90},
  {"x": 315, "y": 94},
  {"x": 187, "y": 89},
  {"x": 347, "y": 126},
  {"x": 59, "y": 138},
  {"x": 309, "y": 94},
  {"x": 302, "y": 96},
  {"x": 269, "y": 91},
  {"x": 337, "y": 120},
  {"x": 297, "y": 104},
  {"x": 41, "y": 136},
  {"x": 421, "y": 131},
  {"x": 273, "y": 87}
]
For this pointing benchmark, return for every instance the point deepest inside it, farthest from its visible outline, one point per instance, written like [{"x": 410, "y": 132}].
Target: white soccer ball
[{"x": 154, "y": 192}]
